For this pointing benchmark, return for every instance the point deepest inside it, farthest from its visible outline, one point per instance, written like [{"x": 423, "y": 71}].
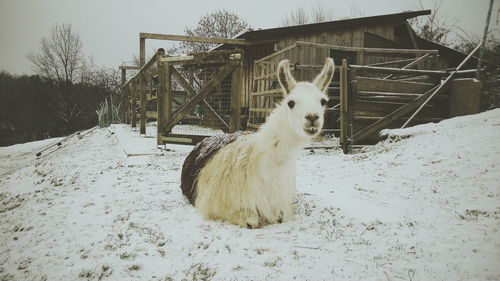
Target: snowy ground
[{"x": 423, "y": 205}]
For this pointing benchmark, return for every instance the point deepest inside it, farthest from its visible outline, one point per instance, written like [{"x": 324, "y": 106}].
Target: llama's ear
[
  {"x": 285, "y": 76},
  {"x": 323, "y": 79}
]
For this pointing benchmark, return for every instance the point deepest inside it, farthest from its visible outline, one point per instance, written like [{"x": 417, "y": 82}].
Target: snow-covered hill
[{"x": 422, "y": 205}]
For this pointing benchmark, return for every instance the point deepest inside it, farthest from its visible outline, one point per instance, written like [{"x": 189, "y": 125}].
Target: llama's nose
[{"x": 312, "y": 117}]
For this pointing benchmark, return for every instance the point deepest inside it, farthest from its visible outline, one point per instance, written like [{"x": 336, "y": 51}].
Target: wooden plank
[
  {"x": 204, "y": 92},
  {"x": 398, "y": 113},
  {"x": 362, "y": 94},
  {"x": 266, "y": 110},
  {"x": 436, "y": 73},
  {"x": 275, "y": 54},
  {"x": 344, "y": 107},
  {"x": 177, "y": 59},
  {"x": 368, "y": 50},
  {"x": 149, "y": 115},
  {"x": 271, "y": 76},
  {"x": 164, "y": 96},
  {"x": 236, "y": 80},
  {"x": 142, "y": 85},
  {"x": 133, "y": 105},
  {"x": 131, "y": 67},
  {"x": 184, "y": 38},
  {"x": 268, "y": 92},
  {"x": 145, "y": 67},
  {"x": 427, "y": 112},
  {"x": 392, "y": 62},
  {"x": 394, "y": 86},
  {"x": 122, "y": 112},
  {"x": 423, "y": 120},
  {"x": 184, "y": 84},
  {"x": 182, "y": 139},
  {"x": 379, "y": 106}
]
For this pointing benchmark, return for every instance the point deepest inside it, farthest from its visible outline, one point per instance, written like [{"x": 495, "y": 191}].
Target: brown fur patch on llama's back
[{"x": 198, "y": 158}]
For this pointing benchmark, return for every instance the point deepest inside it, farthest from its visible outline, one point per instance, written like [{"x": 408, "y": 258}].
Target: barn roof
[
  {"x": 273, "y": 32},
  {"x": 454, "y": 55}
]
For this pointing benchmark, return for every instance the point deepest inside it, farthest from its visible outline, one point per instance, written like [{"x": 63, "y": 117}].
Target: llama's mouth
[{"x": 311, "y": 131}]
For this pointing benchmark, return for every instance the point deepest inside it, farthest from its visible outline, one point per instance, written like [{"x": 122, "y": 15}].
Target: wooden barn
[{"x": 385, "y": 73}]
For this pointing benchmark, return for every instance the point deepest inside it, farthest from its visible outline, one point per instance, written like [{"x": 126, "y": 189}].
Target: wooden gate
[
  {"x": 210, "y": 84},
  {"x": 369, "y": 105}
]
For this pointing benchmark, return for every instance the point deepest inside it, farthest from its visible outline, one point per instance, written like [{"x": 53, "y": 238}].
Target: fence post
[
  {"x": 345, "y": 109},
  {"x": 142, "y": 77},
  {"x": 236, "y": 98},
  {"x": 133, "y": 105},
  {"x": 162, "y": 87},
  {"x": 123, "y": 109},
  {"x": 126, "y": 105}
]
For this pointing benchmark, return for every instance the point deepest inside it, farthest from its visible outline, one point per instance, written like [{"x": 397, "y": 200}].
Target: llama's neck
[{"x": 275, "y": 136}]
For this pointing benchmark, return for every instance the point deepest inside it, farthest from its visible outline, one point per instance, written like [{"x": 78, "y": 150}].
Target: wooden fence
[{"x": 372, "y": 89}]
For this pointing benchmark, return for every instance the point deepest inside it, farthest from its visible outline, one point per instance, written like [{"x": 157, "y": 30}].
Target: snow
[{"x": 422, "y": 205}]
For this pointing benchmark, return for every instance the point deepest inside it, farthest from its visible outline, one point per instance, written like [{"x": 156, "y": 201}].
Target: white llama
[{"x": 248, "y": 179}]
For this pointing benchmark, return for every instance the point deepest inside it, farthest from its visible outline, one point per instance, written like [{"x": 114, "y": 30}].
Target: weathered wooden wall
[{"x": 381, "y": 35}]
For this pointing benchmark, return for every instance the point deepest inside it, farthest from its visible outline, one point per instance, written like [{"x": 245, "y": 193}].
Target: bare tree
[
  {"x": 296, "y": 17},
  {"x": 318, "y": 13},
  {"x": 62, "y": 62},
  {"x": 218, "y": 24},
  {"x": 60, "y": 56},
  {"x": 355, "y": 12},
  {"x": 434, "y": 27}
]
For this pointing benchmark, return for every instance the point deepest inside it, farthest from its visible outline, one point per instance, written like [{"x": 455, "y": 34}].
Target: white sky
[{"x": 110, "y": 29}]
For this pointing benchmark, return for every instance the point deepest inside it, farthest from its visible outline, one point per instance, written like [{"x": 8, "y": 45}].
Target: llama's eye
[
  {"x": 291, "y": 104},
  {"x": 323, "y": 102}
]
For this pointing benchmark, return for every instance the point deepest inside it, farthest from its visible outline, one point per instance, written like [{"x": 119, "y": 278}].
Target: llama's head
[{"x": 305, "y": 102}]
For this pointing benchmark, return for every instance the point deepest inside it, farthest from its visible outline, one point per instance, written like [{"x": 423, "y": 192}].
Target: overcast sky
[{"x": 110, "y": 29}]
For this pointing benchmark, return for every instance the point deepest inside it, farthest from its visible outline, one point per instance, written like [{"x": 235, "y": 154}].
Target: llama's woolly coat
[{"x": 198, "y": 158}]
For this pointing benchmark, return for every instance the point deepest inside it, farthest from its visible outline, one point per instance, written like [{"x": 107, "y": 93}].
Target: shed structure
[{"x": 385, "y": 67}]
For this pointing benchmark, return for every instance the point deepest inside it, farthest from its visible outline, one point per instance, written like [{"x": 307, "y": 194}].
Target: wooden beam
[
  {"x": 145, "y": 67},
  {"x": 182, "y": 139},
  {"x": 391, "y": 62},
  {"x": 204, "y": 92},
  {"x": 142, "y": 85},
  {"x": 236, "y": 89},
  {"x": 133, "y": 105},
  {"x": 394, "y": 86},
  {"x": 122, "y": 112},
  {"x": 273, "y": 92},
  {"x": 438, "y": 73},
  {"x": 131, "y": 67},
  {"x": 184, "y": 38},
  {"x": 442, "y": 85},
  {"x": 368, "y": 50},
  {"x": 152, "y": 60},
  {"x": 164, "y": 87},
  {"x": 177, "y": 59},
  {"x": 275, "y": 53},
  {"x": 184, "y": 84},
  {"x": 192, "y": 92},
  {"x": 344, "y": 107}
]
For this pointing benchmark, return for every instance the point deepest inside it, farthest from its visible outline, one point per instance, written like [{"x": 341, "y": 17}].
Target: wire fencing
[{"x": 107, "y": 113}]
